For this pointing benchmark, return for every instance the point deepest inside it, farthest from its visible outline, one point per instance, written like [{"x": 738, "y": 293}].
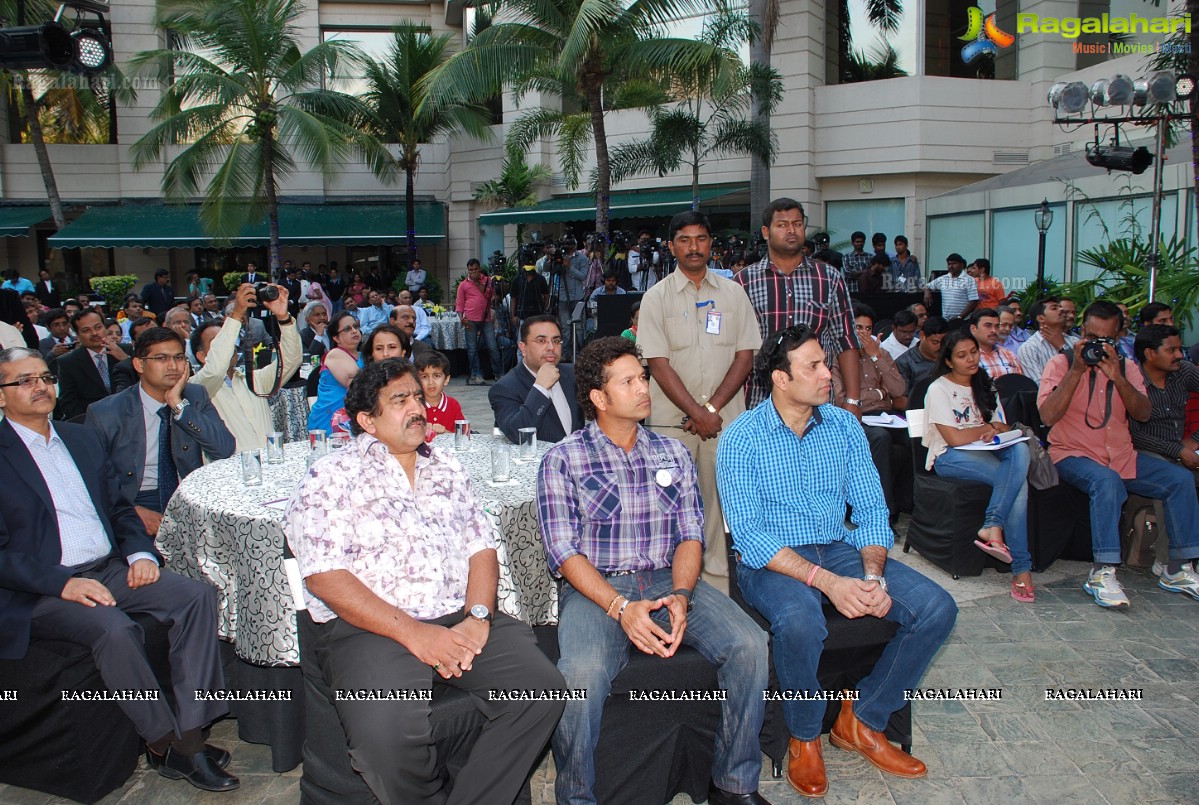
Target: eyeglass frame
[{"x": 29, "y": 380}]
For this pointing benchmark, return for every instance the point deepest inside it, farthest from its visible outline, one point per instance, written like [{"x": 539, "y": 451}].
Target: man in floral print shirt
[{"x": 400, "y": 575}]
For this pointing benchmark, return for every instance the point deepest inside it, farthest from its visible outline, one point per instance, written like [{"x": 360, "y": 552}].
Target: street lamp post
[{"x": 1044, "y": 219}]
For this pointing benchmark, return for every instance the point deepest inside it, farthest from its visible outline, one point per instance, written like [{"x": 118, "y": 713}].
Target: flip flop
[
  {"x": 996, "y": 549},
  {"x": 1025, "y": 593}
]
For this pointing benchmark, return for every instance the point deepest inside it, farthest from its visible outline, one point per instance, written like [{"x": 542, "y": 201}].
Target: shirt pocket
[
  {"x": 678, "y": 332},
  {"x": 600, "y": 498},
  {"x": 667, "y": 498}
]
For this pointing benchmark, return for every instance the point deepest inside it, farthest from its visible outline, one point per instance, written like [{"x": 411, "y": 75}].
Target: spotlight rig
[{"x": 70, "y": 42}]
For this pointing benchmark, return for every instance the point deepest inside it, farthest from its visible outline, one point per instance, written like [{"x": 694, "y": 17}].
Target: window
[
  {"x": 964, "y": 234},
  {"x": 884, "y": 215},
  {"x": 1096, "y": 223},
  {"x": 374, "y": 43},
  {"x": 946, "y": 21}
]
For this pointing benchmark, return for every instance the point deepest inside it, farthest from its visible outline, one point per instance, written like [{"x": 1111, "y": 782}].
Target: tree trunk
[
  {"x": 410, "y": 209},
  {"x": 603, "y": 166},
  {"x": 1193, "y": 69},
  {"x": 39, "y": 148},
  {"x": 759, "y": 170},
  {"x": 272, "y": 200},
  {"x": 695, "y": 183}
]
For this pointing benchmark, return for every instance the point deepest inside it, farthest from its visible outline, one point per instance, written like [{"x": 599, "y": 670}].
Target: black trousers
[
  {"x": 390, "y": 741},
  {"x": 891, "y": 450},
  {"x": 117, "y": 644}
]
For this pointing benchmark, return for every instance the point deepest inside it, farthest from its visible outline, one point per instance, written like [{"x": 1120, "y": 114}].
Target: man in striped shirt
[
  {"x": 1168, "y": 381},
  {"x": 959, "y": 292},
  {"x": 1049, "y": 339},
  {"x": 785, "y": 289},
  {"x": 984, "y": 326},
  {"x": 855, "y": 262}
]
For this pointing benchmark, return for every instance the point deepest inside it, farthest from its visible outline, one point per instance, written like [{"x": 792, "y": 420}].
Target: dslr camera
[
  {"x": 1093, "y": 352},
  {"x": 266, "y": 293}
]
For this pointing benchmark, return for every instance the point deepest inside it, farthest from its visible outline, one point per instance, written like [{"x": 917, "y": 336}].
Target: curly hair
[
  {"x": 591, "y": 364},
  {"x": 363, "y": 394}
]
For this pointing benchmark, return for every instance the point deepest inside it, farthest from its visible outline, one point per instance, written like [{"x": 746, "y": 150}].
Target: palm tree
[
  {"x": 400, "y": 114},
  {"x": 709, "y": 118},
  {"x": 247, "y": 102},
  {"x": 595, "y": 55},
  {"x": 881, "y": 63},
  {"x": 515, "y": 187}
]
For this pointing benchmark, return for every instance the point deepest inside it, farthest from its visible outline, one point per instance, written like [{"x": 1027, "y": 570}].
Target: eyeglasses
[
  {"x": 162, "y": 360},
  {"x": 541, "y": 341},
  {"x": 32, "y": 380},
  {"x": 348, "y": 329}
]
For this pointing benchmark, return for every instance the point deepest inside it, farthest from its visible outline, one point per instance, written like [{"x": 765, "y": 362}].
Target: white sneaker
[
  {"x": 1103, "y": 586},
  {"x": 1184, "y": 581}
]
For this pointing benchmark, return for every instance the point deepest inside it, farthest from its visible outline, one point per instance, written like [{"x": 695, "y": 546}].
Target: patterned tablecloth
[
  {"x": 289, "y": 413},
  {"x": 218, "y": 530},
  {"x": 447, "y": 332}
]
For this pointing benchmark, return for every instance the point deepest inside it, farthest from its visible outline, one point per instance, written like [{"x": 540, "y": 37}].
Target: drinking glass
[
  {"x": 251, "y": 468},
  {"x": 527, "y": 444},
  {"x": 501, "y": 457},
  {"x": 274, "y": 448},
  {"x": 462, "y": 435}
]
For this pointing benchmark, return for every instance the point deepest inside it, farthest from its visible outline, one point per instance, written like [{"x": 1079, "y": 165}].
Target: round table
[
  {"x": 446, "y": 332},
  {"x": 526, "y": 591},
  {"x": 289, "y": 411}
]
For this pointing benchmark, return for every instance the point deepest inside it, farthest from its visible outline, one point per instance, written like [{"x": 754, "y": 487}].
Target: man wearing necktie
[
  {"x": 85, "y": 375},
  {"x": 75, "y": 559},
  {"x": 538, "y": 392},
  {"x": 156, "y": 432}
]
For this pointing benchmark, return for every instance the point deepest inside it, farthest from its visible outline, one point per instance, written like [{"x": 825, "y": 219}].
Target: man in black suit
[
  {"x": 537, "y": 393},
  {"x": 159, "y": 431},
  {"x": 295, "y": 291},
  {"x": 47, "y": 290},
  {"x": 74, "y": 559},
  {"x": 158, "y": 296},
  {"x": 60, "y": 341},
  {"x": 253, "y": 275},
  {"x": 85, "y": 374},
  {"x": 316, "y": 338}
]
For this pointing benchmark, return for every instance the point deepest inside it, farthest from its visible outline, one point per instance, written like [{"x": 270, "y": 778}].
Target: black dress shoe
[
  {"x": 197, "y": 769},
  {"x": 718, "y": 796},
  {"x": 220, "y": 757}
]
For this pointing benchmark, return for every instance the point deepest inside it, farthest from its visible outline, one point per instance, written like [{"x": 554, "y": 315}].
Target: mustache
[{"x": 414, "y": 419}]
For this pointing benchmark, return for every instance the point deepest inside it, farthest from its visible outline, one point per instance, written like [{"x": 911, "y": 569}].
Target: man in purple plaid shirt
[{"x": 622, "y": 524}]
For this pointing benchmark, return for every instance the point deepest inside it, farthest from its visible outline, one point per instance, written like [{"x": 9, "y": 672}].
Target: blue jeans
[
  {"x": 1169, "y": 483},
  {"x": 595, "y": 649},
  {"x": 924, "y": 611},
  {"x": 487, "y": 330},
  {"x": 1006, "y": 472}
]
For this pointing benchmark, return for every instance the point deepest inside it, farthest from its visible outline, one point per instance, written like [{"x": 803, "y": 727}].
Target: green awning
[
  {"x": 622, "y": 205},
  {"x": 159, "y": 226},
  {"x": 16, "y": 221}
]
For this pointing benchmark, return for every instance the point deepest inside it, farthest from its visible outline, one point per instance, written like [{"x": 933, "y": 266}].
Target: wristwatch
[
  {"x": 711, "y": 407},
  {"x": 872, "y": 577},
  {"x": 480, "y": 613},
  {"x": 852, "y": 401},
  {"x": 178, "y": 409},
  {"x": 683, "y": 591}
]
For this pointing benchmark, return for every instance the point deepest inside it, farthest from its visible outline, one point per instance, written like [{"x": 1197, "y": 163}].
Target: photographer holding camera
[
  {"x": 644, "y": 261},
  {"x": 216, "y": 345},
  {"x": 1087, "y": 395}
]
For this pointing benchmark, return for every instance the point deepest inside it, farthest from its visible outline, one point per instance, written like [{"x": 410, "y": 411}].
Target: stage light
[
  {"x": 1184, "y": 87},
  {"x": 93, "y": 53},
  {"x": 33, "y": 47},
  {"x": 1068, "y": 98},
  {"x": 1119, "y": 157}
]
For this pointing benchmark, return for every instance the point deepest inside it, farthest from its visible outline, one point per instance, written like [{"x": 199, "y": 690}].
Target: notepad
[{"x": 885, "y": 420}]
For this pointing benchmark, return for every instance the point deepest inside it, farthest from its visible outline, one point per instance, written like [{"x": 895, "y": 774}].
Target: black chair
[
  {"x": 313, "y": 381},
  {"x": 851, "y": 648},
  {"x": 81, "y": 750},
  {"x": 1019, "y": 397},
  {"x": 946, "y": 512}
]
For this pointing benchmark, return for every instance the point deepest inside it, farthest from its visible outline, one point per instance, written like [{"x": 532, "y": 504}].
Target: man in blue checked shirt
[
  {"x": 786, "y": 470},
  {"x": 623, "y": 525}
]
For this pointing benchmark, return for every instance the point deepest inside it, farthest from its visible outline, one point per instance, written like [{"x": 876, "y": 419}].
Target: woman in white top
[{"x": 961, "y": 407}]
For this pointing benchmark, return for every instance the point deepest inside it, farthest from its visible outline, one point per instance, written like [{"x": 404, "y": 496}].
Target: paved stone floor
[{"x": 1019, "y": 749}]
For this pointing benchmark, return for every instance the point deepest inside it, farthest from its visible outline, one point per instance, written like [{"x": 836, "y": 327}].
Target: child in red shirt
[{"x": 441, "y": 409}]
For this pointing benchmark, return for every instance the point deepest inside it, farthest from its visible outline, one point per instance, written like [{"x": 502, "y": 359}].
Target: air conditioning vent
[
  {"x": 1062, "y": 149},
  {"x": 558, "y": 180},
  {"x": 1009, "y": 158}
]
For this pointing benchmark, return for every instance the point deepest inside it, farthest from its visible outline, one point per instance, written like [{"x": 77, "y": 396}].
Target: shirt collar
[
  {"x": 681, "y": 280},
  {"x": 30, "y": 438},
  {"x": 149, "y": 403},
  {"x": 774, "y": 421},
  {"x": 369, "y": 446}
]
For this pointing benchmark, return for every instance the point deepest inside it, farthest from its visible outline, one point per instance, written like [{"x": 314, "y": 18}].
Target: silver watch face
[{"x": 481, "y": 612}]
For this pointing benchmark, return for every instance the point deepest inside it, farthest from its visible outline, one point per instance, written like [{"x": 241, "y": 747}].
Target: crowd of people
[{"x": 693, "y": 425}]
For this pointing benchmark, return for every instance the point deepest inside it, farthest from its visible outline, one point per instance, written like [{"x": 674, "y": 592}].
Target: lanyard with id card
[{"x": 712, "y": 323}]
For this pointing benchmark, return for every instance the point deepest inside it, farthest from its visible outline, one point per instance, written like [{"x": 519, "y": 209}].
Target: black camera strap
[
  {"x": 274, "y": 331},
  {"x": 1107, "y": 402}
]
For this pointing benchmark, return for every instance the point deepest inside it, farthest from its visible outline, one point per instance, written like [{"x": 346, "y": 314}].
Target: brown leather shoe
[
  {"x": 805, "y": 768},
  {"x": 854, "y": 736}
]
